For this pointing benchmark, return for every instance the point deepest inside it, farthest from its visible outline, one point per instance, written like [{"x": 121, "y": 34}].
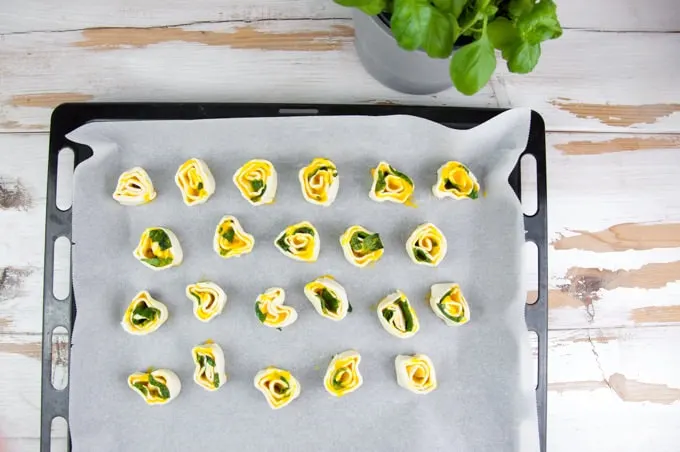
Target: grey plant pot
[{"x": 407, "y": 72}]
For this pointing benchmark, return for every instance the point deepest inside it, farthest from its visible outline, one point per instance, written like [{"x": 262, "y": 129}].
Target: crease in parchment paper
[{"x": 485, "y": 400}]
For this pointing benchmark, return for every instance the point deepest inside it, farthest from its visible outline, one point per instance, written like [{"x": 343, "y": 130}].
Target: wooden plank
[
  {"x": 35, "y": 15},
  {"x": 613, "y": 261},
  {"x": 619, "y": 384},
  {"x": 614, "y": 86}
]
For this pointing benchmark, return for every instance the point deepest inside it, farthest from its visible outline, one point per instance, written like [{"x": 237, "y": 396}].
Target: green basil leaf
[
  {"x": 200, "y": 359},
  {"x": 401, "y": 175},
  {"x": 438, "y": 40},
  {"x": 141, "y": 388},
  {"x": 410, "y": 22},
  {"x": 502, "y": 33},
  {"x": 197, "y": 297},
  {"x": 260, "y": 315},
  {"x": 209, "y": 361},
  {"x": 281, "y": 243},
  {"x": 305, "y": 230},
  {"x": 229, "y": 235},
  {"x": 442, "y": 308},
  {"x": 474, "y": 194},
  {"x": 517, "y": 8},
  {"x": 161, "y": 237},
  {"x": 329, "y": 303},
  {"x": 216, "y": 380},
  {"x": 540, "y": 24},
  {"x": 380, "y": 184},
  {"x": 372, "y": 243},
  {"x": 164, "y": 391},
  {"x": 158, "y": 262},
  {"x": 200, "y": 186},
  {"x": 256, "y": 185},
  {"x": 524, "y": 57},
  {"x": 356, "y": 242},
  {"x": 370, "y": 7},
  {"x": 472, "y": 65},
  {"x": 408, "y": 317},
  {"x": 387, "y": 314},
  {"x": 421, "y": 256}
]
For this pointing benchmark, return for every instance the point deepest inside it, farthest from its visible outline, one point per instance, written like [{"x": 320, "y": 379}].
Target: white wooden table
[{"x": 608, "y": 90}]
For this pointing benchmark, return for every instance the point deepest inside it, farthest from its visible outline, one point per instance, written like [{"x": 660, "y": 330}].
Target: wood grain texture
[
  {"x": 622, "y": 237},
  {"x": 300, "y": 61},
  {"x": 618, "y": 115},
  {"x": 34, "y": 15},
  {"x": 621, "y": 144}
]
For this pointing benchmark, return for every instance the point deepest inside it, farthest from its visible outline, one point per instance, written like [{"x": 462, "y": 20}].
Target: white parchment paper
[{"x": 485, "y": 400}]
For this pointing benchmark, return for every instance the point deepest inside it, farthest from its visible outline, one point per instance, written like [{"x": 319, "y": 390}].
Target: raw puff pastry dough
[
  {"x": 208, "y": 299},
  {"x": 455, "y": 180},
  {"x": 397, "y": 315},
  {"x": 195, "y": 181},
  {"x": 426, "y": 245},
  {"x": 416, "y": 373},
  {"x": 158, "y": 249},
  {"x": 270, "y": 310},
  {"x": 299, "y": 241},
  {"x": 134, "y": 188},
  {"x": 319, "y": 182},
  {"x": 209, "y": 366},
  {"x": 328, "y": 297},
  {"x": 391, "y": 185},
  {"x": 278, "y": 386},
  {"x": 144, "y": 315},
  {"x": 361, "y": 246},
  {"x": 257, "y": 182},
  {"x": 230, "y": 239},
  {"x": 342, "y": 375},
  {"x": 449, "y": 304},
  {"x": 156, "y": 387}
]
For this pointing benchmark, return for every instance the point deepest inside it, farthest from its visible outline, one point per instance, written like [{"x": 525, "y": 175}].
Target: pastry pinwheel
[
  {"x": 209, "y": 299},
  {"x": 360, "y": 246},
  {"x": 209, "y": 366},
  {"x": 415, "y": 373},
  {"x": 134, "y": 188},
  {"x": 270, "y": 310},
  {"x": 455, "y": 180},
  {"x": 342, "y": 375},
  {"x": 299, "y": 241},
  {"x": 144, "y": 315},
  {"x": 449, "y": 304},
  {"x": 426, "y": 245},
  {"x": 278, "y": 386},
  {"x": 390, "y": 185},
  {"x": 257, "y": 181},
  {"x": 397, "y": 315},
  {"x": 158, "y": 249},
  {"x": 195, "y": 181},
  {"x": 319, "y": 182},
  {"x": 328, "y": 297},
  {"x": 156, "y": 387},
  {"x": 230, "y": 239}
]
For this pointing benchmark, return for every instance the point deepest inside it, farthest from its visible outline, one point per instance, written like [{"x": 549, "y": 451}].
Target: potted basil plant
[{"x": 407, "y": 44}]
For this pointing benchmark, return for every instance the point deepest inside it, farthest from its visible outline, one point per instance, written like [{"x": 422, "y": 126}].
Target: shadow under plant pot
[{"x": 408, "y": 72}]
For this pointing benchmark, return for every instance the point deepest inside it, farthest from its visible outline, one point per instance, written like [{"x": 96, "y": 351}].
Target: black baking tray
[{"x": 68, "y": 117}]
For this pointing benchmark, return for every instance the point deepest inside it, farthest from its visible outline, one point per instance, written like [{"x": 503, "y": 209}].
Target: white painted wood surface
[{"x": 614, "y": 213}]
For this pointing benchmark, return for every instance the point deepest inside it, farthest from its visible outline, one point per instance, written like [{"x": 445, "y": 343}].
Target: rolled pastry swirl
[
  {"x": 270, "y": 310},
  {"x": 328, "y": 297},
  {"x": 230, "y": 239},
  {"x": 156, "y": 387},
  {"x": 299, "y": 241},
  {"x": 257, "y": 181},
  {"x": 158, "y": 249},
  {"x": 361, "y": 246},
  {"x": 195, "y": 181},
  {"x": 397, "y": 315},
  {"x": 134, "y": 188},
  {"x": 426, "y": 245},
  {"x": 455, "y": 180},
  {"x": 319, "y": 182},
  {"x": 209, "y": 299},
  {"x": 144, "y": 315},
  {"x": 278, "y": 386},
  {"x": 416, "y": 373},
  {"x": 449, "y": 304},
  {"x": 209, "y": 366},
  {"x": 391, "y": 185},
  {"x": 342, "y": 375}
]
